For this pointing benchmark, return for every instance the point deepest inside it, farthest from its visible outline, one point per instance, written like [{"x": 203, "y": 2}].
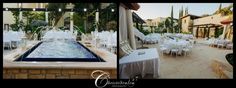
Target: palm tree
[
  {"x": 86, "y": 19},
  {"x": 224, "y": 11}
]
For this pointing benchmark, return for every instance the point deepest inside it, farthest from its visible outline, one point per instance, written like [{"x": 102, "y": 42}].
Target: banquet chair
[
  {"x": 7, "y": 42},
  {"x": 163, "y": 49},
  {"x": 180, "y": 49},
  {"x": 174, "y": 50},
  {"x": 16, "y": 42},
  {"x": 186, "y": 50},
  {"x": 229, "y": 46},
  {"x": 209, "y": 41},
  {"x": 214, "y": 43},
  {"x": 220, "y": 44},
  {"x": 126, "y": 47},
  {"x": 189, "y": 47}
]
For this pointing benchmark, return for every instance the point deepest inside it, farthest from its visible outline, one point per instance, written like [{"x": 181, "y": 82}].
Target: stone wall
[{"x": 19, "y": 73}]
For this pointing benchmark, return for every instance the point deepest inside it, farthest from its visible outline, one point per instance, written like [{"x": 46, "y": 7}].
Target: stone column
[
  {"x": 71, "y": 21},
  {"x": 20, "y": 19},
  {"x": 208, "y": 34},
  {"x": 20, "y": 16},
  {"x": 130, "y": 29},
  {"x": 223, "y": 35},
  {"x": 197, "y": 32},
  {"x": 46, "y": 16},
  {"x": 97, "y": 20},
  {"x": 228, "y": 34}
]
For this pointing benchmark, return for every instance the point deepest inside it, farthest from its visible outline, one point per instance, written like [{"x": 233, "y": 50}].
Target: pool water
[{"x": 59, "y": 51}]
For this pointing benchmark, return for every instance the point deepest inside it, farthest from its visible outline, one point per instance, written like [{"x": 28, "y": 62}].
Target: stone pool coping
[{"x": 110, "y": 61}]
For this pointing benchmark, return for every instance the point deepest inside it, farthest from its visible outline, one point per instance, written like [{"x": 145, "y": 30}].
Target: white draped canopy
[{"x": 126, "y": 26}]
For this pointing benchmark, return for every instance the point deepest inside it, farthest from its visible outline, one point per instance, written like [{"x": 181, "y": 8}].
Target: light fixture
[
  {"x": 6, "y": 9},
  {"x": 59, "y": 9},
  {"x": 112, "y": 10},
  {"x": 85, "y": 9},
  {"x": 33, "y": 9}
]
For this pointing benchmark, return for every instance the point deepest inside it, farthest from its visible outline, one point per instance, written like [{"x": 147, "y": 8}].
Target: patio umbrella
[{"x": 227, "y": 21}]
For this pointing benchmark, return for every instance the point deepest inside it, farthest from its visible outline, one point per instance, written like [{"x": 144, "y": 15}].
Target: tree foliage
[
  {"x": 225, "y": 11},
  {"x": 55, "y": 15}
]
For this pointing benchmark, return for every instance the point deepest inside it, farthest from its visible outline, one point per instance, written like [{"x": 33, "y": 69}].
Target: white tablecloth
[
  {"x": 173, "y": 43},
  {"x": 9, "y": 36},
  {"x": 145, "y": 63},
  {"x": 179, "y": 35},
  {"x": 107, "y": 38},
  {"x": 153, "y": 37},
  {"x": 150, "y": 38}
]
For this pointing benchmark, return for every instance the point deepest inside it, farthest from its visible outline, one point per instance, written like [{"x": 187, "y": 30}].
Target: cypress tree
[{"x": 172, "y": 19}]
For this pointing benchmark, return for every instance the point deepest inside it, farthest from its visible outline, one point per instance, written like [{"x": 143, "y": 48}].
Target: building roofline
[
  {"x": 137, "y": 18},
  {"x": 133, "y": 6},
  {"x": 190, "y": 15}
]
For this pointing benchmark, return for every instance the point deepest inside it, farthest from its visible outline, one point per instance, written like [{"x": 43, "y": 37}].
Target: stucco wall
[
  {"x": 214, "y": 19},
  {"x": 186, "y": 24}
]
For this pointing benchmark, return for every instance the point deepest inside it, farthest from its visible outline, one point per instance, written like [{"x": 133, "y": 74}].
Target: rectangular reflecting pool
[{"x": 60, "y": 50}]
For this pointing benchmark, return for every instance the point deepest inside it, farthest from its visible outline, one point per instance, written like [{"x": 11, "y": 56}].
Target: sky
[{"x": 154, "y": 10}]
